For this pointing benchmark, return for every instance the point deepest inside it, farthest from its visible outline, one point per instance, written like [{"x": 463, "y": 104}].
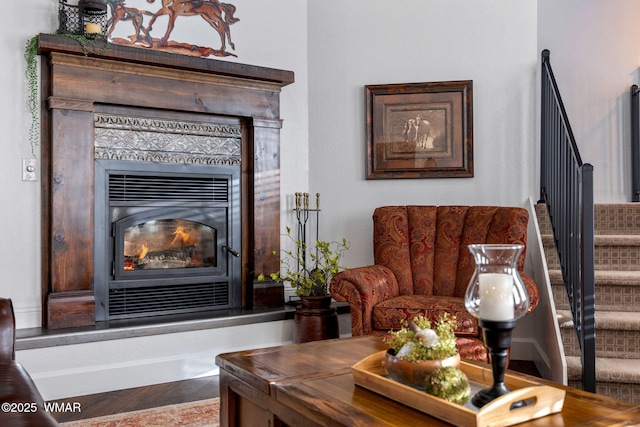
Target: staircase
[{"x": 617, "y": 283}]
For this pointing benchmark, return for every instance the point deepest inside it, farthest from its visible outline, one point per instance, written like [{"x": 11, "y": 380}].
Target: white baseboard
[
  {"x": 80, "y": 369},
  {"x": 526, "y": 349},
  {"x": 28, "y": 317},
  {"x": 522, "y": 349}
]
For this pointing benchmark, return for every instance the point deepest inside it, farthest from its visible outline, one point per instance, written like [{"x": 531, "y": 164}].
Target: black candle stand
[{"x": 497, "y": 338}]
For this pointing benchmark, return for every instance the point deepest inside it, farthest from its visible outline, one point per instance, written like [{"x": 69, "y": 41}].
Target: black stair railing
[
  {"x": 566, "y": 186},
  {"x": 635, "y": 143}
]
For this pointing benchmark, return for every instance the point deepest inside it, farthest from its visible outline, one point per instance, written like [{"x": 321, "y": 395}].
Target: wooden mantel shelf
[{"x": 58, "y": 43}]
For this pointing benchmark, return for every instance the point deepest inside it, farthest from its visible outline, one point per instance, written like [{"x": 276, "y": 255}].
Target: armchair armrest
[
  {"x": 7, "y": 330},
  {"x": 363, "y": 288},
  {"x": 532, "y": 289}
]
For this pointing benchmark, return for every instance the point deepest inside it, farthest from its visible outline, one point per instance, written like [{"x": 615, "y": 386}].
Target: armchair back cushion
[{"x": 424, "y": 245}]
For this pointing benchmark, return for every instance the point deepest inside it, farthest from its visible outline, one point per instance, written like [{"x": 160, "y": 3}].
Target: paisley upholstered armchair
[{"x": 423, "y": 266}]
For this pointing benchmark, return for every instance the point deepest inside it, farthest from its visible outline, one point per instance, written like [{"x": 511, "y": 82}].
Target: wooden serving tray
[{"x": 541, "y": 400}]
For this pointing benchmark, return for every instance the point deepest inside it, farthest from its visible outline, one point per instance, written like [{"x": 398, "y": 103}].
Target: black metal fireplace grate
[
  {"x": 163, "y": 300},
  {"x": 127, "y": 188}
]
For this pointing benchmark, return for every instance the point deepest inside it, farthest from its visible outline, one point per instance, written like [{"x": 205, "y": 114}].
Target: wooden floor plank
[{"x": 134, "y": 399}]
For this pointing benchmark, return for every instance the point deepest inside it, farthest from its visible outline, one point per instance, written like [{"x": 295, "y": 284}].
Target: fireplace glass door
[
  {"x": 148, "y": 245},
  {"x": 169, "y": 243}
]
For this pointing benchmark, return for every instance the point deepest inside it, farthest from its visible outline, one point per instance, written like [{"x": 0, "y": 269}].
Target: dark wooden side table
[{"x": 311, "y": 384}]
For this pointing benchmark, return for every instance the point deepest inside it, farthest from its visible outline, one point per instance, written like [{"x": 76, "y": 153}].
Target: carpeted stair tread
[
  {"x": 619, "y": 320},
  {"x": 609, "y": 218},
  {"x": 607, "y": 370},
  {"x": 611, "y": 252},
  {"x": 603, "y": 239},
  {"x": 617, "y": 335},
  {"x": 616, "y": 239},
  {"x": 604, "y": 277}
]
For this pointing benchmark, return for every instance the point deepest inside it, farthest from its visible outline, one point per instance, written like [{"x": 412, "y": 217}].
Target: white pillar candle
[{"x": 496, "y": 297}]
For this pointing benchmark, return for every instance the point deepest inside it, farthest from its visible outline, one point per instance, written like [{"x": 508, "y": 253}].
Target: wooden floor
[
  {"x": 97, "y": 405},
  {"x": 113, "y": 402}
]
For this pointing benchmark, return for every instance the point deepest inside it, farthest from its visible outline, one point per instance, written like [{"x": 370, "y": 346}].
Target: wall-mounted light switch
[{"x": 29, "y": 169}]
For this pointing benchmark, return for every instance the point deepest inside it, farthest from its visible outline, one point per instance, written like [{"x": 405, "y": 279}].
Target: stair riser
[
  {"x": 608, "y": 219},
  {"x": 622, "y": 391},
  {"x": 621, "y": 258},
  {"x": 608, "y": 297},
  {"x": 620, "y": 219},
  {"x": 609, "y": 343}
]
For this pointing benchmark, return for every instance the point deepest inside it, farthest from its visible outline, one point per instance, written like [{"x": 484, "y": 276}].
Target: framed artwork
[{"x": 420, "y": 130}]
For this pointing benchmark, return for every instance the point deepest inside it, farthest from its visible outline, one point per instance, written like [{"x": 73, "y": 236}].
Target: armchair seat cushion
[{"x": 387, "y": 315}]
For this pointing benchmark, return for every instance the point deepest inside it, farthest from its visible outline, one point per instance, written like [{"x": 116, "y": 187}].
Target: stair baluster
[{"x": 635, "y": 143}]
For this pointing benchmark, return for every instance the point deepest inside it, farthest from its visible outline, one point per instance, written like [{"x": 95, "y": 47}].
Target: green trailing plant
[
  {"x": 439, "y": 344},
  {"x": 90, "y": 45},
  {"x": 94, "y": 46},
  {"x": 310, "y": 277},
  {"x": 31, "y": 57}
]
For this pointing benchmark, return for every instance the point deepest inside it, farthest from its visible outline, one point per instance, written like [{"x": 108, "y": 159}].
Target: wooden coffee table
[{"x": 311, "y": 384}]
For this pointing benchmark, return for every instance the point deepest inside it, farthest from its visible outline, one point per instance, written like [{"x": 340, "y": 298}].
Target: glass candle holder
[
  {"x": 496, "y": 290},
  {"x": 497, "y": 297}
]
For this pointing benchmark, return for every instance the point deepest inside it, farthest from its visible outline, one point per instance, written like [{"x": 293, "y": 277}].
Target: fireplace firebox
[
  {"x": 154, "y": 245},
  {"x": 171, "y": 239}
]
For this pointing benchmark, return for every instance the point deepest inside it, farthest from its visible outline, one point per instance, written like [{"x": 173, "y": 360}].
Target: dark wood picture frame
[{"x": 420, "y": 130}]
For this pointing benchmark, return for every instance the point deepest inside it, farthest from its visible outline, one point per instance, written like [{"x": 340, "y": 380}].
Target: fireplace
[
  {"x": 167, "y": 205},
  {"x": 93, "y": 108},
  {"x": 167, "y": 239}
]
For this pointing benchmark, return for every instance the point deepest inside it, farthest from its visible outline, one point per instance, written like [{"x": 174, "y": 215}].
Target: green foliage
[
  {"x": 449, "y": 383},
  {"x": 30, "y": 56},
  {"x": 444, "y": 329},
  {"x": 89, "y": 46},
  {"x": 310, "y": 277}
]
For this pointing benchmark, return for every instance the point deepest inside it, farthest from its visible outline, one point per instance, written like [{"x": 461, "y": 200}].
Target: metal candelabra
[{"x": 302, "y": 211}]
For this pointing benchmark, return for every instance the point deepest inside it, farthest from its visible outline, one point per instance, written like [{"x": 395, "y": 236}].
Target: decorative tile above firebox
[{"x": 169, "y": 141}]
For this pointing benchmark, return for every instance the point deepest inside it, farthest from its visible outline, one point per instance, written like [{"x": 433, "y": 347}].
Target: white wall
[
  {"x": 362, "y": 42},
  {"x": 595, "y": 55},
  {"x": 20, "y": 250}
]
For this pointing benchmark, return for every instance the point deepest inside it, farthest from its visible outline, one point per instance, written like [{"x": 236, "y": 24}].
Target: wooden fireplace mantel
[
  {"x": 75, "y": 84},
  {"x": 55, "y": 43}
]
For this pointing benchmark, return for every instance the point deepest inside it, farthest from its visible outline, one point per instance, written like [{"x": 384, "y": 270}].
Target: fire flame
[
  {"x": 181, "y": 234},
  {"x": 145, "y": 250},
  {"x": 183, "y": 237}
]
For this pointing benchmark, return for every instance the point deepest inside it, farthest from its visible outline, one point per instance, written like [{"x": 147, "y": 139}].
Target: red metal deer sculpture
[{"x": 218, "y": 15}]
